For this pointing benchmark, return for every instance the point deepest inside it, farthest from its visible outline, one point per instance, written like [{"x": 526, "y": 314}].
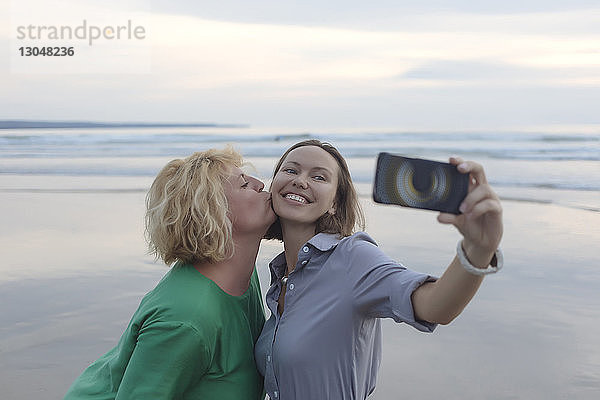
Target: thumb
[{"x": 446, "y": 218}]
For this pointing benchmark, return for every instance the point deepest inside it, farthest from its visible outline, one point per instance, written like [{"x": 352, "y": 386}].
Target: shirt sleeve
[
  {"x": 167, "y": 358},
  {"x": 382, "y": 288}
]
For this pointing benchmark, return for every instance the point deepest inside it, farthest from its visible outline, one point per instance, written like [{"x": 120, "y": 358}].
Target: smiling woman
[{"x": 330, "y": 287}]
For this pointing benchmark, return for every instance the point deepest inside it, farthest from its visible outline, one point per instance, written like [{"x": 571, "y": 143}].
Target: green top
[{"x": 188, "y": 339}]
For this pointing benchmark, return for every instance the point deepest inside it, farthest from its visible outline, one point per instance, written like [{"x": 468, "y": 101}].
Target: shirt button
[
  {"x": 268, "y": 358},
  {"x": 291, "y": 286},
  {"x": 305, "y": 249},
  {"x": 276, "y": 394}
]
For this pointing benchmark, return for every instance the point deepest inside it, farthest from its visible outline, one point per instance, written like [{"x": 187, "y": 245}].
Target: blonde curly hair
[{"x": 186, "y": 209}]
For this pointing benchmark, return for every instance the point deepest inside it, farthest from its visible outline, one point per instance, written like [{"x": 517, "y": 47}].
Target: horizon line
[{"x": 61, "y": 124}]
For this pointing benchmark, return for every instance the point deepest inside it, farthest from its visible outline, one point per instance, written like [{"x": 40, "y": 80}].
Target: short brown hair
[
  {"x": 348, "y": 212},
  {"x": 186, "y": 208}
]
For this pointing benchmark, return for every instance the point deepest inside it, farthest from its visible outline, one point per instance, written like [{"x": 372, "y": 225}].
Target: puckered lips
[{"x": 295, "y": 197}]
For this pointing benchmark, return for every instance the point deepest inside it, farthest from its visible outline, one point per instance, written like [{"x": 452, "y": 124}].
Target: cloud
[
  {"x": 212, "y": 54},
  {"x": 476, "y": 71},
  {"x": 381, "y": 14},
  {"x": 394, "y": 67}
]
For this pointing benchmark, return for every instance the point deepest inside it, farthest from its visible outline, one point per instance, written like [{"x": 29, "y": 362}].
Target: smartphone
[{"x": 418, "y": 183}]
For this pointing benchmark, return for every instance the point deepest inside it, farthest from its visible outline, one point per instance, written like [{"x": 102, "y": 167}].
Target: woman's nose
[
  {"x": 257, "y": 184},
  {"x": 300, "y": 181}
]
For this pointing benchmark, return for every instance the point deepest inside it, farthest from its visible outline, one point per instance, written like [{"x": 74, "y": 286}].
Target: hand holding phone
[{"x": 418, "y": 183}]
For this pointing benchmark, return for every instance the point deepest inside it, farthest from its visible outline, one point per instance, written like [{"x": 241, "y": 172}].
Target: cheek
[
  {"x": 276, "y": 186},
  {"x": 276, "y": 202},
  {"x": 279, "y": 181},
  {"x": 329, "y": 196}
]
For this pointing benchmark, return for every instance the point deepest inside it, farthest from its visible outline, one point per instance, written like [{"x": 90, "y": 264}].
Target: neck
[
  {"x": 294, "y": 237},
  {"x": 233, "y": 274}
]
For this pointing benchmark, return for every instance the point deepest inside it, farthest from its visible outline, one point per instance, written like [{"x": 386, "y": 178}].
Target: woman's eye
[
  {"x": 319, "y": 178},
  {"x": 289, "y": 170}
]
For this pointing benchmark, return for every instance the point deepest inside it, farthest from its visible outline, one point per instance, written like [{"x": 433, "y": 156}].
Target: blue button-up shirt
[{"x": 327, "y": 342}]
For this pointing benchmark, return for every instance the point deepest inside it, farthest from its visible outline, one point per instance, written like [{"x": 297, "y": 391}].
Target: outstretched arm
[{"x": 481, "y": 226}]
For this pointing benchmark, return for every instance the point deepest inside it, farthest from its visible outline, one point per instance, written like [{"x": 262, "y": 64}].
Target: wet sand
[{"x": 74, "y": 270}]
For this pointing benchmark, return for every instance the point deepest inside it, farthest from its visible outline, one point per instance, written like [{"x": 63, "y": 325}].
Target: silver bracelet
[{"x": 491, "y": 269}]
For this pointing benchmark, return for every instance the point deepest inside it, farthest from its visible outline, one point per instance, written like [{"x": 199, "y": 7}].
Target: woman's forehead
[
  {"x": 313, "y": 156},
  {"x": 234, "y": 173}
]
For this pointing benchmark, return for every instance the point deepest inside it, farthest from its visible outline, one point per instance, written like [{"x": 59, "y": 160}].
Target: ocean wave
[{"x": 524, "y": 160}]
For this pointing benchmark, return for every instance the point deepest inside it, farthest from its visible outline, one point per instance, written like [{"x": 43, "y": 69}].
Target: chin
[{"x": 286, "y": 215}]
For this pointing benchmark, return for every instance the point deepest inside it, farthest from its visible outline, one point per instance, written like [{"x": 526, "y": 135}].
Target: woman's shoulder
[
  {"x": 362, "y": 249},
  {"x": 360, "y": 240},
  {"x": 181, "y": 282},
  {"x": 182, "y": 295}
]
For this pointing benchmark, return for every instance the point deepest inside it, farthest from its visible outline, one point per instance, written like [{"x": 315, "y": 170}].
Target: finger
[
  {"x": 455, "y": 160},
  {"x": 485, "y": 207},
  {"x": 480, "y": 193},
  {"x": 446, "y": 218},
  {"x": 473, "y": 168}
]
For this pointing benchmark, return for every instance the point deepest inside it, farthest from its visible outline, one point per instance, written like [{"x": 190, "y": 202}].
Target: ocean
[{"x": 562, "y": 168}]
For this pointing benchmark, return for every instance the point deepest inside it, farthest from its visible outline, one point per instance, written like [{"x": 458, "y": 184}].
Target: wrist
[
  {"x": 477, "y": 256},
  {"x": 494, "y": 263}
]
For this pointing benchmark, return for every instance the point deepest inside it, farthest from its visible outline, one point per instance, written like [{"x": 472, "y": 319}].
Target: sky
[{"x": 343, "y": 65}]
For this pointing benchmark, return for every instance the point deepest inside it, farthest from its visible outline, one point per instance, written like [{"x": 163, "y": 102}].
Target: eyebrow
[{"x": 312, "y": 169}]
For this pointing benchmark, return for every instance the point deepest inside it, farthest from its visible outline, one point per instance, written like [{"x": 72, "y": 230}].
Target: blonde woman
[{"x": 192, "y": 336}]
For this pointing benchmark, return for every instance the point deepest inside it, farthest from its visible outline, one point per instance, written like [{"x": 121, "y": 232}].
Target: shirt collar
[
  {"x": 321, "y": 241},
  {"x": 277, "y": 266},
  {"x": 325, "y": 241}
]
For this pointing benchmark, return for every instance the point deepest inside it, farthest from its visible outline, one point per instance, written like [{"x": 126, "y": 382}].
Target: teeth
[{"x": 295, "y": 197}]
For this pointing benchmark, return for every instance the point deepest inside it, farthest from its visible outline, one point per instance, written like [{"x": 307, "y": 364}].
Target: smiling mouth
[{"x": 297, "y": 198}]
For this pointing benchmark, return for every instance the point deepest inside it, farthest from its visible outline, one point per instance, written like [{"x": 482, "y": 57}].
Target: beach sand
[{"x": 75, "y": 268}]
